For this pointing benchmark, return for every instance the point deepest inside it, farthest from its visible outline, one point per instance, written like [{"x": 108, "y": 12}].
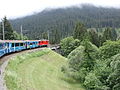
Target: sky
[{"x": 20, "y": 8}]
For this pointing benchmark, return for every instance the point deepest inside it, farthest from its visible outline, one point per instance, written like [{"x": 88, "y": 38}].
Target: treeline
[
  {"x": 64, "y": 20},
  {"x": 82, "y": 33},
  {"x": 9, "y": 32},
  {"x": 95, "y": 67}
]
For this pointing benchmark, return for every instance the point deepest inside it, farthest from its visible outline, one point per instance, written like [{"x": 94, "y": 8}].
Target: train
[{"x": 9, "y": 46}]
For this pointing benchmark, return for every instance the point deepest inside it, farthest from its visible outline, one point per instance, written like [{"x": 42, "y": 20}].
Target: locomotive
[{"x": 9, "y": 46}]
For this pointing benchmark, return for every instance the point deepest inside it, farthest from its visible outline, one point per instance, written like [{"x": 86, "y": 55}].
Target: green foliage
[
  {"x": 68, "y": 44},
  {"x": 109, "y": 34},
  {"x": 114, "y": 77},
  {"x": 96, "y": 69},
  {"x": 90, "y": 49},
  {"x": 1, "y": 36},
  {"x": 12, "y": 78},
  {"x": 54, "y": 37},
  {"x": 92, "y": 82},
  {"x": 94, "y": 38},
  {"x": 80, "y": 32},
  {"x": 16, "y": 35},
  {"x": 81, "y": 61},
  {"x": 76, "y": 57},
  {"x": 45, "y": 35},
  {"x": 38, "y": 72},
  {"x": 65, "y": 19},
  {"x": 110, "y": 48},
  {"x": 102, "y": 70},
  {"x": 9, "y": 32},
  {"x": 101, "y": 40}
]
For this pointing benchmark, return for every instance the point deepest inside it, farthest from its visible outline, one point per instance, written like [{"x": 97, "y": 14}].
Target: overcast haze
[{"x": 18, "y": 8}]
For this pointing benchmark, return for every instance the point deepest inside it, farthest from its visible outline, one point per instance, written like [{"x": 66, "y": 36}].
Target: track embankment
[{"x": 4, "y": 61}]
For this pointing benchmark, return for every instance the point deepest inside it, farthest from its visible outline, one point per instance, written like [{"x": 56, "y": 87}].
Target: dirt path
[{"x": 5, "y": 61}]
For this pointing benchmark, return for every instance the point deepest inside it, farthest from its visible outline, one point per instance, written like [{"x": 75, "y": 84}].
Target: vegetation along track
[
  {"x": 4, "y": 61},
  {"x": 40, "y": 70}
]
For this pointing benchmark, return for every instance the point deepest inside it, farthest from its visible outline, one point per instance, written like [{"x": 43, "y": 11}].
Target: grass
[{"x": 40, "y": 70}]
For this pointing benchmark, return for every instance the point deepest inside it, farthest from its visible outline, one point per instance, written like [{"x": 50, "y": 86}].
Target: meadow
[{"x": 39, "y": 70}]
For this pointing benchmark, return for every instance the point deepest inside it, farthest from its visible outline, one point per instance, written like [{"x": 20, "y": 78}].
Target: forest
[
  {"x": 63, "y": 20},
  {"x": 93, "y": 61}
]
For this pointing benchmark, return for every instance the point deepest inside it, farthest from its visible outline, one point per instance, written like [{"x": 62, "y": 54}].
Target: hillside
[
  {"x": 39, "y": 70},
  {"x": 64, "y": 20}
]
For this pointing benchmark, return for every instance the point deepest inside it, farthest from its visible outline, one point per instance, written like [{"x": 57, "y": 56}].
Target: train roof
[
  {"x": 14, "y": 41},
  {"x": 2, "y": 41},
  {"x": 38, "y": 40},
  {"x": 19, "y": 41}
]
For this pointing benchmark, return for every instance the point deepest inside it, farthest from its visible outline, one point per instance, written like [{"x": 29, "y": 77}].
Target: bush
[
  {"x": 76, "y": 57},
  {"x": 81, "y": 61},
  {"x": 92, "y": 82},
  {"x": 68, "y": 44},
  {"x": 109, "y": 49},
  {"x": 114, "y": 77}
]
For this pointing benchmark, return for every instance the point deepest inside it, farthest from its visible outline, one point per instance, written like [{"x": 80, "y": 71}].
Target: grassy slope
[{"x": 39, "y": 73}]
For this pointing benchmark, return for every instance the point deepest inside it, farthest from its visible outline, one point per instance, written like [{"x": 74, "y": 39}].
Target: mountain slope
[{"x": 64, "y": 20}]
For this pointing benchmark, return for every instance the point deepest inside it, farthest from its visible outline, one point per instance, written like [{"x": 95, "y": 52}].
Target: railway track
[{"x": 4, "y": 61}]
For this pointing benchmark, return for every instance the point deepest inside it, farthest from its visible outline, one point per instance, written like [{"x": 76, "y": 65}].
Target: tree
[
  {"x": 82, "y": 60},
  {"x": 114, "y": 77},
  {"x": 101, "y": 40},
  {"x": 45, "y": 35},
  {"x": 8, "y": 30},
  {"x": 55, "y": 36},
  {"x": 114, "y": 34},
  {"x": 94, "y": 38},
  {"x": 83, "y": 56},
  {"x": 1, "y": 33},
  {"x": 109, "y": 34},
  {"x": 68, "y": 44},
  {"x": 109, "y": 49},
  {"x": 16, "y": 36},
  {"x": 92, "y": 82},
  {"x": 80, "y": 32},
  {"x": 9, "y": 33}
]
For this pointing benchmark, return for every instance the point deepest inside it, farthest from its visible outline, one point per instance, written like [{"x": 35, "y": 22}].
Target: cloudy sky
[{"x": 18, "y": 8}]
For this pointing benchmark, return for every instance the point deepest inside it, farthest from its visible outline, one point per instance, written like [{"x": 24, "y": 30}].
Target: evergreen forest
[{"x": 61, "y": 22}]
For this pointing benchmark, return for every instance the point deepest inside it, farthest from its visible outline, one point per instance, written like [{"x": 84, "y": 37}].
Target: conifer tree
[
  {"x": 55, "y": 36},
  {"x": 80, "y": 31},
  {"x": 94, "y": 38},
  {"x": 1, "y": 33},
  {"x": 8, "y": 30},
  {"x": 109, "y": 34}
]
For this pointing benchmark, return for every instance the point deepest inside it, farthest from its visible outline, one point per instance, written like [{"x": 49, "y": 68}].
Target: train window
[
  {"x": 7, "y": 44},
  {"x": 16, "y": 44},
  {"x": 21, "y": 44},
  {"x": 31, "y": 43},
  {"x": 1, "y": 45},
  {"x": 12, "y": 44}
]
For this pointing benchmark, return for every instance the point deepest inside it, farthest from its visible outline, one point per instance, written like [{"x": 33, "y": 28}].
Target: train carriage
[
  {"x": 32, "y": 44},
  {"x": 15, "y": 45},
  {"x": 43, "y": 43},
  {"x": 3, "y": 48}
]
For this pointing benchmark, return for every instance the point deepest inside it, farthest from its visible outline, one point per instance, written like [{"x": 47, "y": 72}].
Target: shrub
[
  {"x": 92, "y": 82},
  {"x": 82, "y": 60},
  {"x": 109, "y": 49},
  {"x": 114, "y": 77},
  {"x": 68, "y": 44}
]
